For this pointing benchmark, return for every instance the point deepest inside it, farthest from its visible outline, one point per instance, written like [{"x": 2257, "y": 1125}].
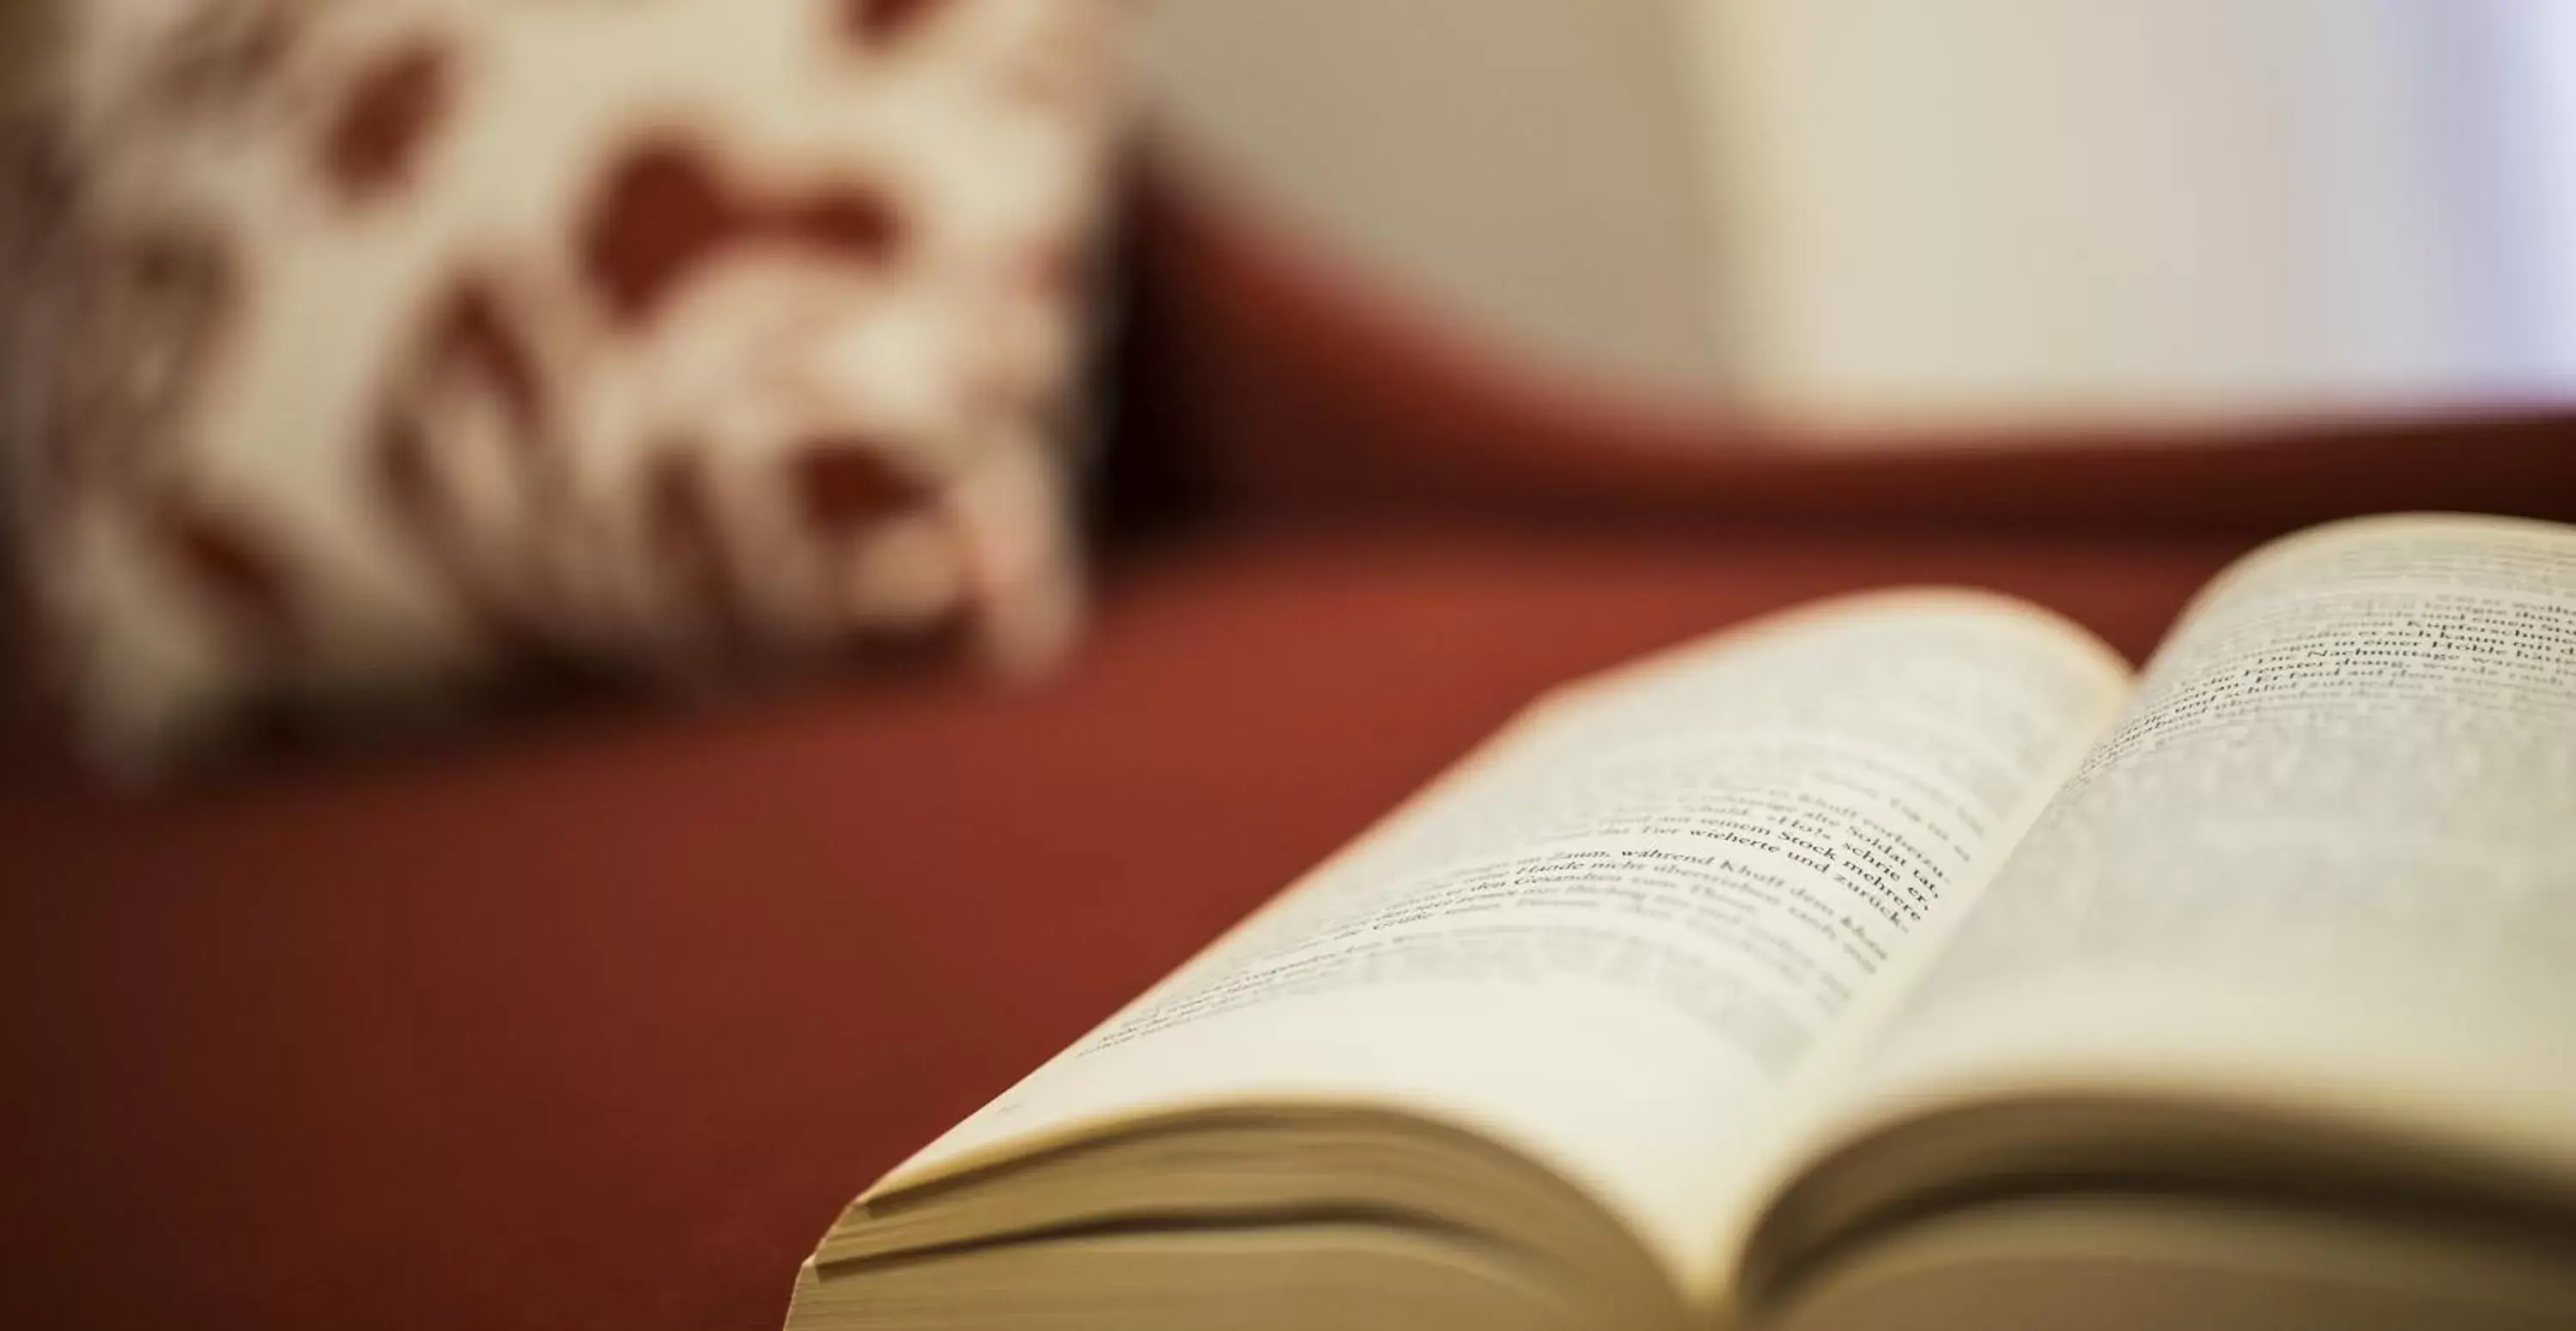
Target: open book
[{"x": 1897, "y": 962}]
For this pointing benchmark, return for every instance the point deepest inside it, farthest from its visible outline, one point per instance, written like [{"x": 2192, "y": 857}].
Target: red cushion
[{"x": 597, "y": 1025}]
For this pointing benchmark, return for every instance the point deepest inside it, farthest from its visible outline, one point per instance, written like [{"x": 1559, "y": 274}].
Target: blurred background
[
  {"x": 1443, "y": 351},
  {"x": 1979, "y": 212}
]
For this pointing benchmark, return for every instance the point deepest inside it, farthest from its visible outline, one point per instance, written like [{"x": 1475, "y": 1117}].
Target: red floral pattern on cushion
[{"x": 382, "y": 345}]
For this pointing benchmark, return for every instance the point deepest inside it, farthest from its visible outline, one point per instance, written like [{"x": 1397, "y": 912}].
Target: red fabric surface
[
  {"x": 1289, "y": 380},
  {"x": 598, "y": 1024}
]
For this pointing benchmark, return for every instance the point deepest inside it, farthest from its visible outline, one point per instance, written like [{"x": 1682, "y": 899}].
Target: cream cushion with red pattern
[{"x": 356, "y": 347}]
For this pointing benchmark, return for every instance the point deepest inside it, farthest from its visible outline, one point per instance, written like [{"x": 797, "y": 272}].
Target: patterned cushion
[{"x": 357, "y": 348}]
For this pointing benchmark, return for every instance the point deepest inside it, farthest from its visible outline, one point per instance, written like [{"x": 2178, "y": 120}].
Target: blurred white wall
[
  {"x": 1935, "y": 211},
  {"x": 2089, "y": 208},
  {"x": 1531, "y": 166}
]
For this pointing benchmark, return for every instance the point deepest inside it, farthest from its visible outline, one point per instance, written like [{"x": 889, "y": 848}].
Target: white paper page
[{"x": 2327, "y": 860}]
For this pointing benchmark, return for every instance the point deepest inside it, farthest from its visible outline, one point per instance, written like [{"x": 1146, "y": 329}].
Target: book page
[
  {"x": 2327, "y": 860},
  {"x": 1616, "y": 937}
]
